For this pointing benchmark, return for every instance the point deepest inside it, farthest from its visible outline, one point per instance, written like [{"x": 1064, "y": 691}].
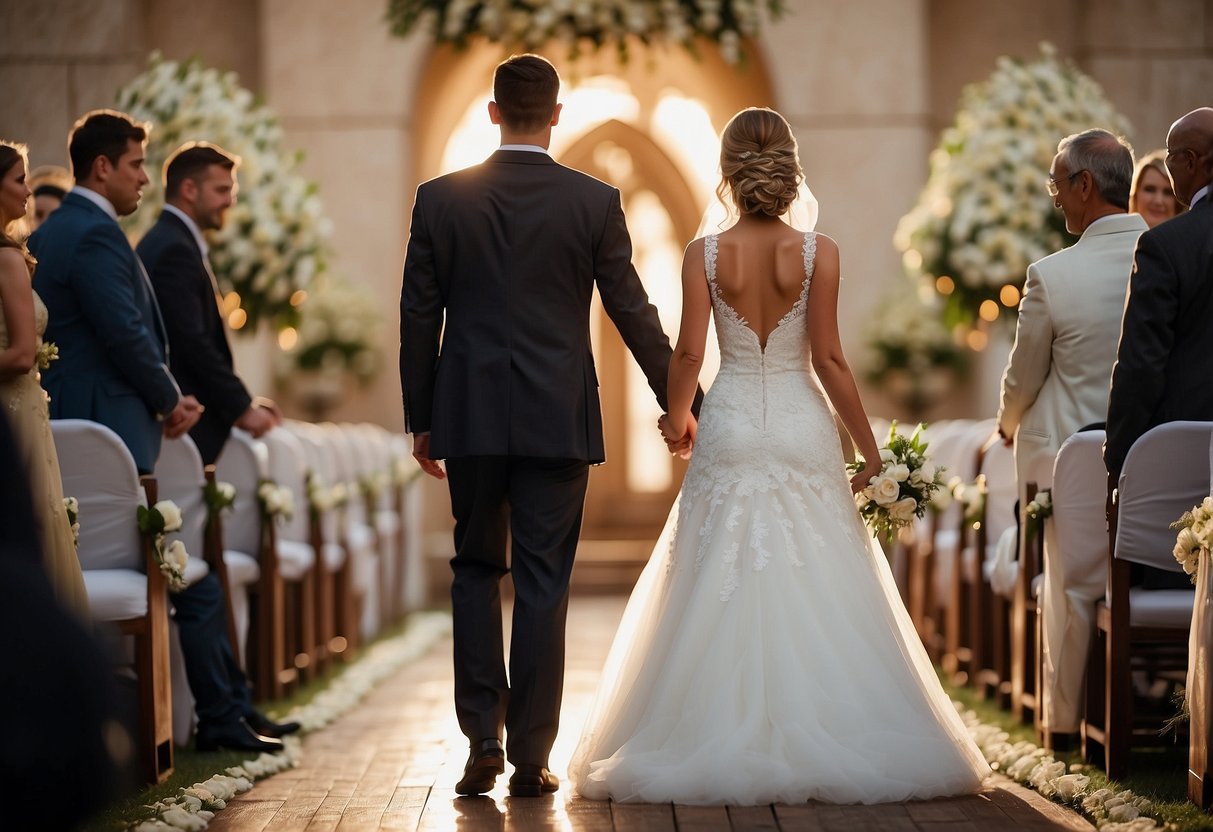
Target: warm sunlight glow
[
  {"x": 988, "y": 310},
  {"x": 1009, "y": 296},
  {"x": 684, "y": 128},
  {"x": 237, "y": 318},
  {"x": 977, "y": 340},
  {"x": 288, "y": 338},
  {"x": 230, "y": 303},
  {"x": 945, "y": 285},
  {"x": 912, "y": 260},
  {"x": 298, "y": 297}
]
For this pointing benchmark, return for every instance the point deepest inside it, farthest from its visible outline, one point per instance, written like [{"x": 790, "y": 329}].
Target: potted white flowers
[
  {"x": 984, "y": 213},
  {"x": 906, "y": 484}
]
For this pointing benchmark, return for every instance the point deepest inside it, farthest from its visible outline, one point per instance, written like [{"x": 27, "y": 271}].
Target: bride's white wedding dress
[{"x": 765, "y": 655}]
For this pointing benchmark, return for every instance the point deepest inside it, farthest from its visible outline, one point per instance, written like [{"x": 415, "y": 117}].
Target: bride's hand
[
  {"x": 862, "y": 479},
  {"x": 678, "y": 445}
]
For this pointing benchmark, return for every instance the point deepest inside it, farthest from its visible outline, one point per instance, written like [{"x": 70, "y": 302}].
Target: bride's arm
[
  {"x": 829, "y": 361},
  {"x": 687, "y": 360},
  {"x": 17, "y": 298}
]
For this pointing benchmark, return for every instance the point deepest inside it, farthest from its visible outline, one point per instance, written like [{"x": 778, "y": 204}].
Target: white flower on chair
[{"x": 1195, "y": 537}]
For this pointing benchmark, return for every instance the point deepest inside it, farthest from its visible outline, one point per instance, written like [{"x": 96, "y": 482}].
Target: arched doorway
[{"x": 650, "y": 127}]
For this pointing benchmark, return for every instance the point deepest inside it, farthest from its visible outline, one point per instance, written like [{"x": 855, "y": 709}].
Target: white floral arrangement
[
  {"x": 915, "y": 359},
  {"x": 218, "y": 496},
  {"x": 1030, "y": 765},
  {"x": 1195, "y": 536},
  {"x": 971, "y": 496},
  {"x": 338, "y": 333},
  {"x": 273, "y": 243},
  {"x": 47, "y": 352},
  {"x": 322, "y": 497},
  {"x": 984, "y": 214},
  {"x": 162, "y": 519},
  {"x": 1039, "y": 509},
  {"x": 904, "y": 487},
  {"x": 72, "y": 506},
  {"x": 371, "y": 485},
  {"x": 404, "y": 470},
  {"x": 276, "y": 500},
  {"x": 528, "y": 24}
]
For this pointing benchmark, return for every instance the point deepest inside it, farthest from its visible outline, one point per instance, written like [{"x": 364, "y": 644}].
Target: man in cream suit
[{"x": 1056, "y": 380}]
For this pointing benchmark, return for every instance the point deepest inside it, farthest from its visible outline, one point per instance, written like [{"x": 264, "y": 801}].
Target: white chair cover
[
  {"x": 243, "y": 463},
  {"x": 97, "y": 469},
  {"x": 1075, "y": 576},
  {"x": 180, "y": 478},
  {"x": 958, "y": 453},
  {"x": 286, "y": 468},
  {"x": 359, "y": 536},
  {"x": 316, "y": 452},
  {"x": 1001, "y": 554},
  {"x": 1166, "y": 472}
]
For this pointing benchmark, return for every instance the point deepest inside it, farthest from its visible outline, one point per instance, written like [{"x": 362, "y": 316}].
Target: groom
[{"x": 501, "y": 266}]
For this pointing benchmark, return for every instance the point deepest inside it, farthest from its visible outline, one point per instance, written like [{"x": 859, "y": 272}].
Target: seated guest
[
  {"x": 1151, "y": 194},
  {"x": 1165, "y": 357},
  {"x": 49, "y": 185},
  {"x": 199, "y": 187},
  {"x": 1056, "y": 380}
]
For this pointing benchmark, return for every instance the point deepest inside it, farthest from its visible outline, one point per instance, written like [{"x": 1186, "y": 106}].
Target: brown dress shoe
[
  {"x": 485, "y": 762},
  {"x": 532, "y": 781}
]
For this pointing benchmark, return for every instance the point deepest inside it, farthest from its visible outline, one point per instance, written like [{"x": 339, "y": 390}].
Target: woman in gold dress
[{"x": 22, "y": 322}]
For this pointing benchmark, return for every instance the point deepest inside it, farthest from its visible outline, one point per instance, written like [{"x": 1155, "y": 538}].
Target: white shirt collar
[
  {"x": 191, "y": 225},
  {"x": 530, "y": 148},
  {"x": 1199, "y": 195},
  {"x": 97, "y": 199},
  {"x": 1102, "y": 219}
]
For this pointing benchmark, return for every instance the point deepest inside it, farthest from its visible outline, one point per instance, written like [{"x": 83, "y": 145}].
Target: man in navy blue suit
[
  {"x": 113, "y": 368},
  {"x": 113, "y": 351}
]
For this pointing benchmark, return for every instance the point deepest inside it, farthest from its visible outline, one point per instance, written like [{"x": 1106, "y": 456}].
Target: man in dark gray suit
[
  {"x": 502, "y": 262},
  {"x": 1165, "y": 357}
]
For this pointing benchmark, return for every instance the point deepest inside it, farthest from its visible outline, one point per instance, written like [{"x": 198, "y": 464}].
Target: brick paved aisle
[{"x": 392, "y": 763}]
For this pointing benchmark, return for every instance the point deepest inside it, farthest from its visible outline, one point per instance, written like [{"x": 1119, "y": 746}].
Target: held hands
[
  {"x": 679, "y": 444},
  {"x": 1009, "y": 441},
  {"x": 863, "y": 478},
  {"x": 184, "y": 416},
  {"x": 421, "y": 453}
]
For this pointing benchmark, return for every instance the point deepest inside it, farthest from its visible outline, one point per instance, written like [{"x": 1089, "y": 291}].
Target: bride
[{"x": 765, "y": 656}]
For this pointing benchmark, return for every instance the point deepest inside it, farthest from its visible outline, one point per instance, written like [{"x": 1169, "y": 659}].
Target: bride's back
[{"x": 760, "y": 272}]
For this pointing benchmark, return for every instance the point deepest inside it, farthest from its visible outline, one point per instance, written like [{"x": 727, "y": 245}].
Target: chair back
[
  {"x": 1165, "y": 473},
  {"x": 998, "y": 466},
  {"x": 288, "y": 468},
  {"x": 243, "y": 463},
  {"x": 180, "y": 478},
  {"x": 1080, "y": 495},
  {"x": 98, "y": 470}
]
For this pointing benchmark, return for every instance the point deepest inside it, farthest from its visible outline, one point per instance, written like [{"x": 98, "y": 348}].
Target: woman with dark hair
[
  {"x": 22, "y": 321},
  {"x": 1151, "y": 194},
  {"x": 765, "y": 655}
]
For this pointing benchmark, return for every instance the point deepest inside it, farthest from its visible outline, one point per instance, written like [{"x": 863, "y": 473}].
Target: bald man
[{"x": 1164, "y": 363}]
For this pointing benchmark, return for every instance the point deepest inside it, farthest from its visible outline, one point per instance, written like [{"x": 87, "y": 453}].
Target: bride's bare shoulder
[{"x": 826, "y": 243}]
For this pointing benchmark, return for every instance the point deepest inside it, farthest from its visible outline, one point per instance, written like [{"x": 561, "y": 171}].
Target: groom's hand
[
  {"x": 679, "y": 446},
  {"x": 421, "y": 453}
]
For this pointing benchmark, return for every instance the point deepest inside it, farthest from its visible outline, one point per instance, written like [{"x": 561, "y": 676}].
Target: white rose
[
  {"x": 227, "y": 490},
  {"x": 886, "y": 455},
  {"x": 899, "y": 472},
  {"x": 927, "y": 472},
  {"x": 884, "y": 489},
  {"x": 903, "y": 510},
  {"x": 176, "y": 557},
  {"x": 171, "y": 514},
  {"x": 1186, "y": 542}
]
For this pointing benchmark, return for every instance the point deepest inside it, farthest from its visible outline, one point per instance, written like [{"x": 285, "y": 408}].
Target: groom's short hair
[{"x": 525, "y": 89}]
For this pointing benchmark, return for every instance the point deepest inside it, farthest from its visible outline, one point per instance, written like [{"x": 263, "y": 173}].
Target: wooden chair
[
  {"x": 244, "y": 464},
  {"x": 1165, "y": 473},
  {"x": 125, "y": 587},
  {"x": 1199, "y": 690},
  {"x": 1025, "y": 634},
  {"x": 1075, "y": 577}
]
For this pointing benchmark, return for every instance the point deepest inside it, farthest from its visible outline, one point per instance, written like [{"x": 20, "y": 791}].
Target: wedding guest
[
  {"x": 49, "y": 184},
  {"x": 113, "y": 353},
  {"x": 199, "y": 187},
  {"x": 1151, "y": 194},
  {"x": 1056, "y": 379},
  {"x": 1165, "y": 357},
  {"x": 114, "y": 370},
  {"x": 23, "y": 320}
]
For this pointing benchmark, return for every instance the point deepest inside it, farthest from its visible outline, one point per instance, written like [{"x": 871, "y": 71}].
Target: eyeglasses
[{"x": 1051, "y": 183}]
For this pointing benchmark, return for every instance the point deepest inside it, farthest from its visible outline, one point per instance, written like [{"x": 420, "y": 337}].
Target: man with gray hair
[{"x": 1057, "y": 378}]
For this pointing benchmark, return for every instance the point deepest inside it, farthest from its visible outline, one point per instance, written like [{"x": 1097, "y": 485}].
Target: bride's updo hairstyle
[{"x": 759, "y": 165}]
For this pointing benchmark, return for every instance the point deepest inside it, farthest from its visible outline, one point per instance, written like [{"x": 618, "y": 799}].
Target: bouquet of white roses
[
  {"x": 162, "y": 518},
  {"x": 1195, "y": 536},
  {"x": 906, "y": 484},
  {"x": 276, "y": 500}
]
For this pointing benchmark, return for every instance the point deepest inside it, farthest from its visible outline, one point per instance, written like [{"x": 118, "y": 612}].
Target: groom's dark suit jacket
[
  {"x": 113, "y": 351},
  {"x": 1165, "y": 359},
  {"x": 501, "y": 266},
  {"x": 202, "y": 359}
]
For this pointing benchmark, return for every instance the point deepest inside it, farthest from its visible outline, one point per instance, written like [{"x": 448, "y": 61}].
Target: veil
[{"x": 801, "y": 214}]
